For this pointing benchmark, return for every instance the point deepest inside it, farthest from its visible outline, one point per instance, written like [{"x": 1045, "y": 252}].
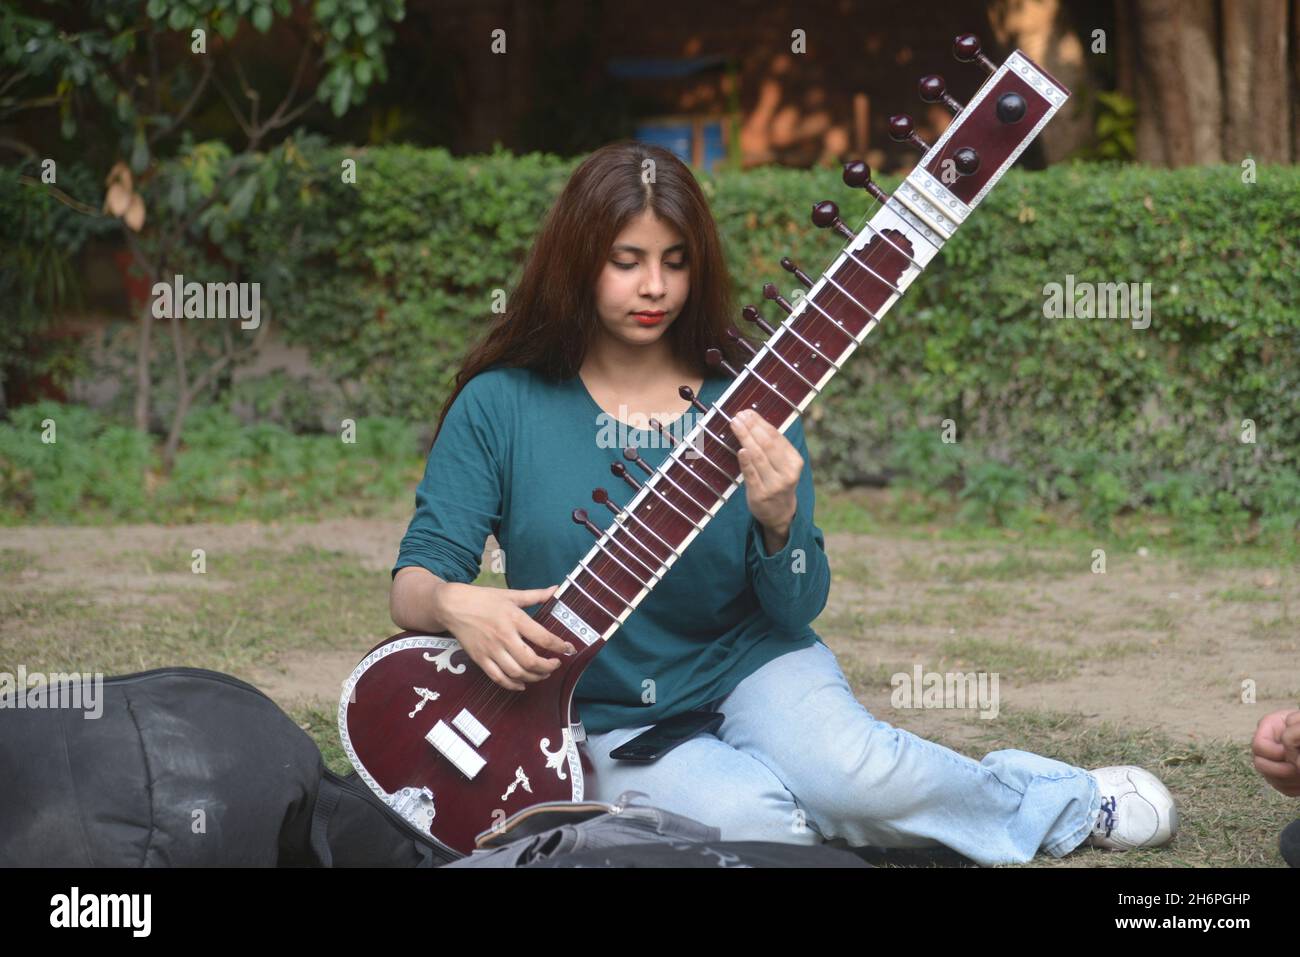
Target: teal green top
[{"x": 516, "y": 455}]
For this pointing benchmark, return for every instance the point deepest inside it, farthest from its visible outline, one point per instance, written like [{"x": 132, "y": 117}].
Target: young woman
[{"x": 624, "y": 291}]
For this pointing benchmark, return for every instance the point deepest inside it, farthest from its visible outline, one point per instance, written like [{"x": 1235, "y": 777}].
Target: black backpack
[{"x": 184, "y": 767}]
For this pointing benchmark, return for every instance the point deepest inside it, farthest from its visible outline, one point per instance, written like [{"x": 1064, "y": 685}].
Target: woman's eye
[{"x": 622, "y": 265}]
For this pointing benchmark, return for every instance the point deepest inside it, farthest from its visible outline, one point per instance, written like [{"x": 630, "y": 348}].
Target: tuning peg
[
  {"x": 789, "y": 266},
  {"x": 934, "y": 90},
  {"x": 858, "y": 175},
  {"x": 580, "y": 518},
  {"x": 966, "y": 160},
  {"x": 687, "y": 393},
  {"x": 734, "y": 335},
  {"x": 826, "y": 214},
  {"x": 714, "y": 358},
  {"x": 751, "y": 314},
  {"x": 620, "y": 471},
  {"x": 1011, "y": 108},
  {"x": 663, "y": 430},
  {"x": 773, "y": 294},
  {"x": 632, "y": 455},
  {"x": 966, "y": 49},
  {"x": 902, "y": 130}
]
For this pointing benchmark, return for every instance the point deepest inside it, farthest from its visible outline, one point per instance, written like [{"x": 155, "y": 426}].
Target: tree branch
[
  {"x": 208, "y": 66},
  {"x": 61, "y": 196}
]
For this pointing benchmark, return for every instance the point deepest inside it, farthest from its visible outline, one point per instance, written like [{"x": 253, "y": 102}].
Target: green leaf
[
  {"x": 176, "y": 195},
  {"x": 243, "y": 198},
  {"x": 342, "y": 94},
  {"x": 139, "y": 152},
  {"x": 262, "y": 19}
]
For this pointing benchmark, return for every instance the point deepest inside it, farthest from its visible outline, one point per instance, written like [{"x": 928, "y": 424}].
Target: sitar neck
[{"x": 876, "y": 264}]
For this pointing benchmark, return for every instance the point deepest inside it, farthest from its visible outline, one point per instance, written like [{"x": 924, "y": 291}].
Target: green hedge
[
  {"x": 389, "y": 279},
  {"x": 400, "y": 270}
]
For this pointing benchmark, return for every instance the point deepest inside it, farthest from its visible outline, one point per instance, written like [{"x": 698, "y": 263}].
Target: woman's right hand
[{"x": 493, "y": 628}]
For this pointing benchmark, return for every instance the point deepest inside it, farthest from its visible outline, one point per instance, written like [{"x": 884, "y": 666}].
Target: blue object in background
[{"x": 676, "y": 137}]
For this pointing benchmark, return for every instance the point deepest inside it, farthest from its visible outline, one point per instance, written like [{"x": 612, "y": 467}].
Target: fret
[
  {"x": 884, "y": 237},
  {"x": 852, "y": 254},
  {"x": 600, "y": 543},
  {"x": 663, "y": 497},
  {"x": 717, "y": 480},
  {"x": 607, "y": 578},
  {"x": 811, "y": 328},
  {"x": 772, "y": 389},
  {"x": 870, "y": 314},
  {"x": 596, "y": 610},
  {"x": 787, "y": 331},
  {"x": 672, "y": 549},
  {"x": 773, "y": 349},
  {"x": 665, "y": 523},
  {"x": 832, "y": 323},
  {"x": 707, "y": 509},
  {"x": 629, "y": 537}
]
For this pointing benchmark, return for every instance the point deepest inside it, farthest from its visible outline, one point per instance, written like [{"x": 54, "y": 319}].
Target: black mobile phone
[{"x": 667, "y": 734}]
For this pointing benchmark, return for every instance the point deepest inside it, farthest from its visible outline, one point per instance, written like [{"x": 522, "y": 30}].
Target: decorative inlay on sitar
[{"x": 454, "y": 753}]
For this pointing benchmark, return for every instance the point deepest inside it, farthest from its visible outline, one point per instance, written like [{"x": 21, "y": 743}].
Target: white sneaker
[{"x": 1136, "y": 810}]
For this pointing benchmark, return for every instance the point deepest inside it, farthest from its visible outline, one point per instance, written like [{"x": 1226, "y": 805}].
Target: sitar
[{"x": 456, "y": 755}]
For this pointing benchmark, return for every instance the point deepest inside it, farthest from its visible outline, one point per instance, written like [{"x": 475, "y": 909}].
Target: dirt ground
[{"x": 1150, "y": 644}]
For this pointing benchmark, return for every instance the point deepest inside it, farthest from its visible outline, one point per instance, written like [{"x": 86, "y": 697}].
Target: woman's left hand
[{"x": 771, "y": 467}]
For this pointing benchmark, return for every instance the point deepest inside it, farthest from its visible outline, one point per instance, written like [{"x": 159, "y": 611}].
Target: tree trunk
[
  {"x": 143, "y": 352},
  {"x": 1210, "y": 79},
  {"x": 1160, "y": 52},
  {"x": 1255, "y": 79},
  {"x": 1198, "y": 49},
  {"x": 1295, "y": 81}
]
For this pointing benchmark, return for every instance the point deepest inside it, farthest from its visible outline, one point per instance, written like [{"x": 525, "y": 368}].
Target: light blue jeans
[{"x": 798, "y": 760}]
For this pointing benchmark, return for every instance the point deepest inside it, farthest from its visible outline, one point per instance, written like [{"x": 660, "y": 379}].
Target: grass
[
  {"x": 892, "y": 513},
  {"x": 248, "y": 607},
  {"x": 1245, "y": 595},
  {"x": 1229, "y": 817},
  {"x": 145, "y": 609},
  {"x": 323, "y": 727}
]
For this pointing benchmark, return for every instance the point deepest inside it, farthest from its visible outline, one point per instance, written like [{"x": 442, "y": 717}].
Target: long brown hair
[{"x": 550, "y": 315}]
